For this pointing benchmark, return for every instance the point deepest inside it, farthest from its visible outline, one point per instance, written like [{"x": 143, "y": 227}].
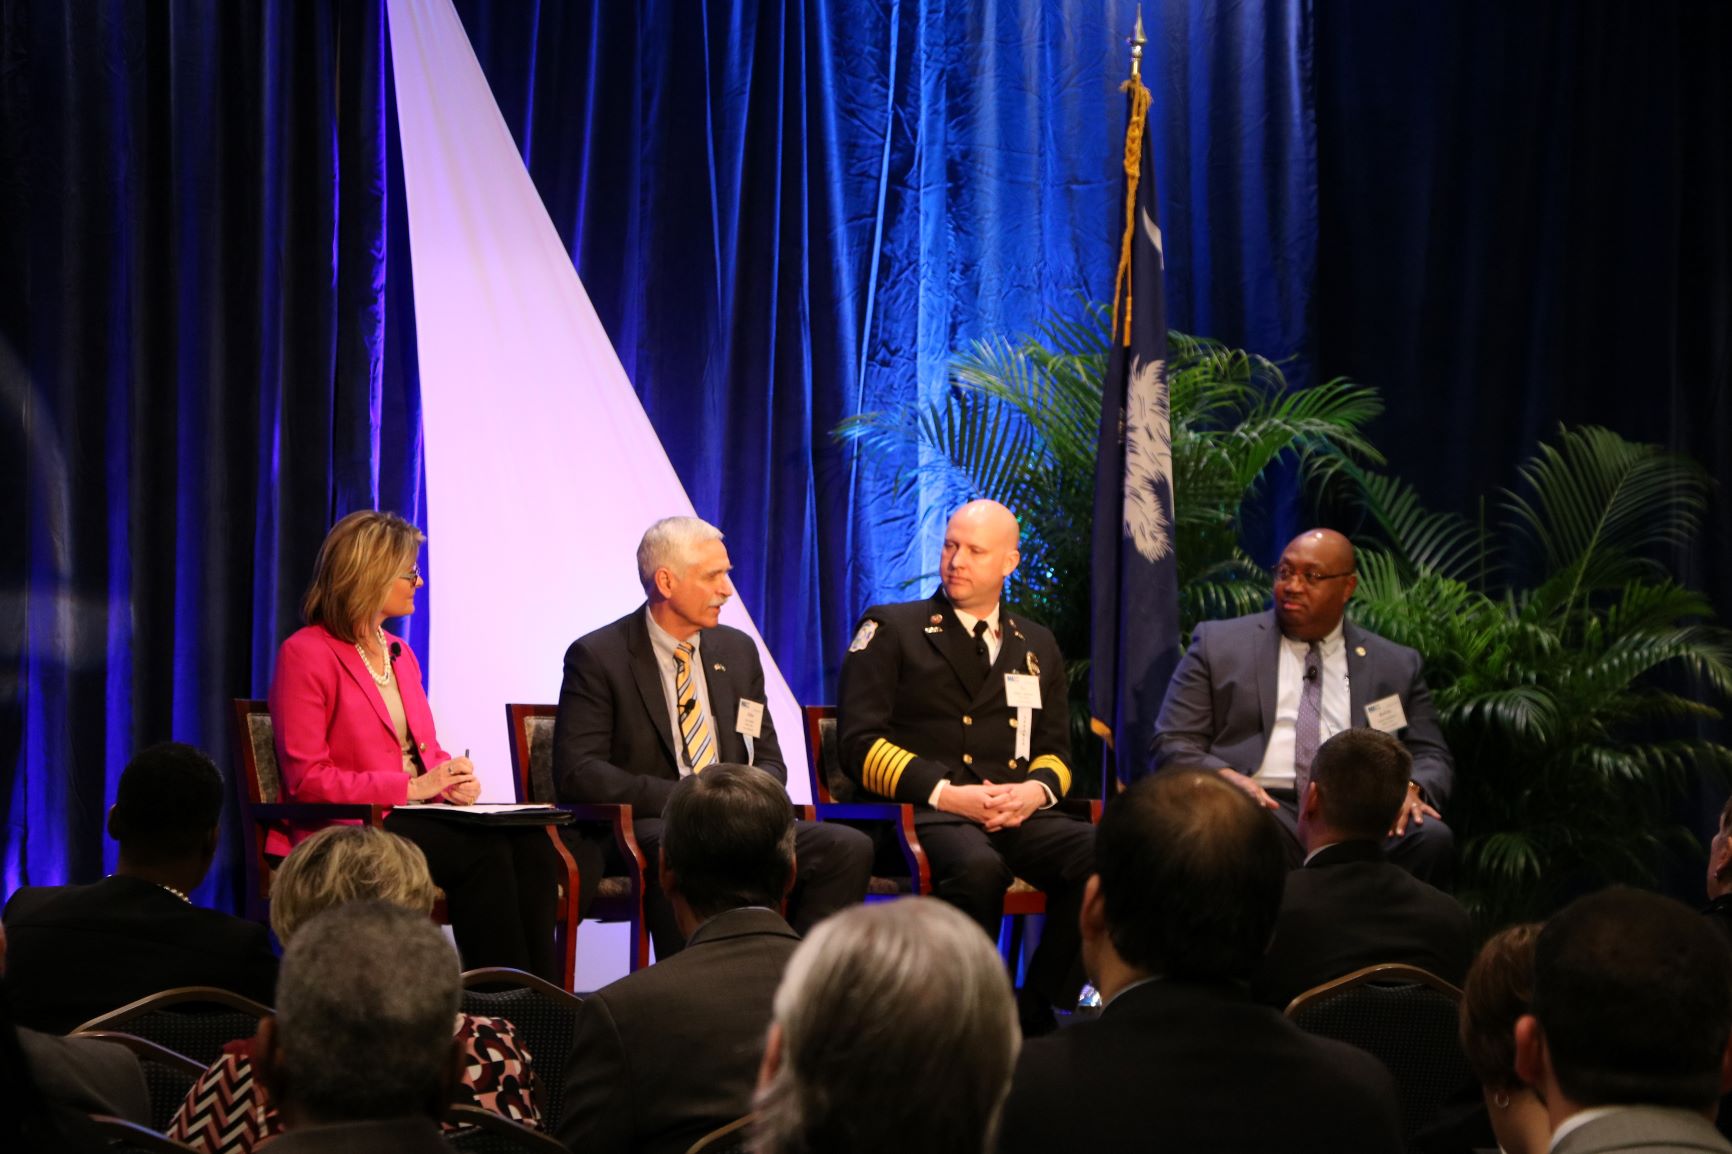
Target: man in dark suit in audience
[
  {"x": 1348, "y": 907},
  {"x": 80, "y": 951},
  {"x": 360, "y": 1057},
  {"x": 1627, "y": 1044},
  {"x": 1187, "y": 883},
  {"x": 665, "y": 692},
  {"x": 666, "y": 1054}
]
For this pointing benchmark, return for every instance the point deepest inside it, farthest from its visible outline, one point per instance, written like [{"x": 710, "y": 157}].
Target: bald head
[
  {"x": 1313, "y": 581},
  {"x": 980, "y": 551}
]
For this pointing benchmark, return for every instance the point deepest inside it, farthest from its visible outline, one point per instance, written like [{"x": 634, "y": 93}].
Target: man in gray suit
[
  {"x": 1632, "y": 1012},
  {"x": 665, "y": 1055},
  {"x": 1255, "y": 697}
]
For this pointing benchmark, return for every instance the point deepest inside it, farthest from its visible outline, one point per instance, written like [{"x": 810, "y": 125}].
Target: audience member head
[
  {"x": 349, "y": 863},
  {"x": 165, "y": 815},
  {"x": 1313, "y": 581},
  {"x": 366, "y": 568},
  {"x": 981, "y": 550},
  {"x": 1498, "y": 991},
  {"x": 1358, "y": 783},
  {"x": 1720, "y": 856},
  {"x": 684, "y": 567},
  {"x": 727, "y": 842},
  {"x": 888, "y": 1012},
  {"x": 1188, "y": 879},
  {"x": 355, "y": 1039},
  {"x": 1632, "y": 1005}
]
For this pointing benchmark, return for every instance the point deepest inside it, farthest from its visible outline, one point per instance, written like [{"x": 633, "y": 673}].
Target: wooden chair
[
  {"x": 734, "y": 1138},
  {"x": 261, "y": 791},
  {"x": 618, "y": 897},
  {"x": 125, "y": 1137},
  {"x": 167, "y": 1075},
  {"x": 544, "y": 1018},
  {"x": 836, "y": 794},
  {"x": 1404, "y": 1016},
  {"x": 195, "y": 1021}
]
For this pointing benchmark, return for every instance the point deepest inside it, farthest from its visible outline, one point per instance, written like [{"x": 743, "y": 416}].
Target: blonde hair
[
  {"x": 362, "y": 554},
  {"x": 347, "y": 863}
]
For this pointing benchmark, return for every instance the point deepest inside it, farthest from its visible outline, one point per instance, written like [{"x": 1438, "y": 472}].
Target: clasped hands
[
  {"x": 455, "y": 779},
  {"x": 992, "y": 805}
]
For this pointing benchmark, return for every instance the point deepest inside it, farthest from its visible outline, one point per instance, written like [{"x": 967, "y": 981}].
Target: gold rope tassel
[{"x": 1133, "y": 172}]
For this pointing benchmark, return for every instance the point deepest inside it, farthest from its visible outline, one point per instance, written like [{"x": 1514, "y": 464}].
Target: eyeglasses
[
  {"x": 1284, "y": 574},
  {"x": 413, "y": 575}
]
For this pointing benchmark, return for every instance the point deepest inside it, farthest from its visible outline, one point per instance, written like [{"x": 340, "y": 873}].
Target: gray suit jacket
[
  {"x": 665, "y": 1055},
  {"x": 1644, "y": 1130},
  {"x": 1220, "y": 706}
]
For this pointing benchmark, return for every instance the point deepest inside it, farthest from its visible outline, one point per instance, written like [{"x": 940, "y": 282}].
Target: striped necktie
[{"x": 694, "y": 721}]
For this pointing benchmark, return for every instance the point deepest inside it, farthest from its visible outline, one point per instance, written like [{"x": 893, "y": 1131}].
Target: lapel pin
[
  {"x": 1033, "y": 665},
  {"x": 719, "y": 667},
  {"x": 1359, "y": 650},
  {"x": 933, "y": 629},
  {"x": 936, "y": 619}
]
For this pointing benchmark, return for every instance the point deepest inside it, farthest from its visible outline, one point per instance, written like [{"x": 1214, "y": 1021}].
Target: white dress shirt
[{"x": 1276, "y": 772}]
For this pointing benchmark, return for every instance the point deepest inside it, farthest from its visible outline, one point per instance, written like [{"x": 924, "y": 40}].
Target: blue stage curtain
[
  {"x": 192, "y": 198},
  {"x": 789, "y": 213}
]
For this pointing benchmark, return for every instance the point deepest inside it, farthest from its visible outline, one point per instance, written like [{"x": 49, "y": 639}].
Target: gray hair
[
  {"x": 668, "y": 544},
  {"x": 889, "y": 1012},
  {"x": 367, "y": 1003}
]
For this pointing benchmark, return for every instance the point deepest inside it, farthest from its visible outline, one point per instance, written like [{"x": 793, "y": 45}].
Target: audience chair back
[
  {"x": 125, "y": 1137},
  {"x": 544, "y": 1017},
  {"x": 167, "y": 1075},
  {"x": 618, "y": 897},
  {"x": 734, "y": 1138},
  {"x": 485, "y": 1132},
  {"x": 1406, "y": 1017},
  {"x": 195, "y": 1021}
]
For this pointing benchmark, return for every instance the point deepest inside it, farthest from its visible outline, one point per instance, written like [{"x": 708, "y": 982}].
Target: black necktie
[{"x": 980, "y": 649}]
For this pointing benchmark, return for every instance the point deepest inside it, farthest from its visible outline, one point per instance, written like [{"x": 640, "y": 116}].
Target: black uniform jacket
[{"x": 916, "y": 707}]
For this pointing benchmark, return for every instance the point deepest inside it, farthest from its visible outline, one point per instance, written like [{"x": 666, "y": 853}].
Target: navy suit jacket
[
  {"x": 613, "y": 741},
  {"x": 1220, "y": 705},
  {"x": 1195, "y": 1066},
  {"x": 1349, "y": 908}
]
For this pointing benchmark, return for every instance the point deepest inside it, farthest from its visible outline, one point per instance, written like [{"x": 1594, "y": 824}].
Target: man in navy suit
[
  {"x": 667, "y": 691},
  {"x": 1347, "y": 907},
  {"x": 1176, "y": 916},
  {"x": 81, "y": 951},
  {"x": 1256, "y": 696}
]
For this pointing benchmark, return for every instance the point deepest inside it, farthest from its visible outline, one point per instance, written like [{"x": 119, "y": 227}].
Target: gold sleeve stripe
[
  {"x": 884, "y": 765},
  {"x": 1052, "y": 762}
]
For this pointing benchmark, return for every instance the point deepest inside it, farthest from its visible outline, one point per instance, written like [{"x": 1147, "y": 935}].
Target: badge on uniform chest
[{"x": 1022, "y": 693}]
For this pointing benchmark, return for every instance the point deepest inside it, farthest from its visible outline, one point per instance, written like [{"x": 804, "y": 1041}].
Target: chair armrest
[
  {"x": 902, "y": 817},
  {"x": 310, "y": 811},
  {"x": 624, "y": 839}
]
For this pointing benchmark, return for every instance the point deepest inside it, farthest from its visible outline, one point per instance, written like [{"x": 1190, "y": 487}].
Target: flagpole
[{"x": 1136, "y": 40}]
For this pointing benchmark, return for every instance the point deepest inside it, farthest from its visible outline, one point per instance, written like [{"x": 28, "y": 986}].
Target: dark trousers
[
  {"x": 501, "y": 889},
  {"x": 1426, "y": 851},
  {"x": 832, "y": 864},
  {"x": 971, "y": 869}
]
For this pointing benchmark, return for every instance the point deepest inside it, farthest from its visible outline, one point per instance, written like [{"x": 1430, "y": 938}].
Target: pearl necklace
[{"x": 380, "y": 679}]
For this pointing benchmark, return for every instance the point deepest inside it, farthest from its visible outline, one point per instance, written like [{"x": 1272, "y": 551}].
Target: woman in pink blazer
[{"x": 353, "y": 725}]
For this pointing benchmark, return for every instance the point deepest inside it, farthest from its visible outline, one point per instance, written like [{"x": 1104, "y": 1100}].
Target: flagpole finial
[{"x": 1136, "y": 40}]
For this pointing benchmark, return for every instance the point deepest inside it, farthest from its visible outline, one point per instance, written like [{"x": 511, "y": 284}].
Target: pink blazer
[{"x": 335, "y": 742}]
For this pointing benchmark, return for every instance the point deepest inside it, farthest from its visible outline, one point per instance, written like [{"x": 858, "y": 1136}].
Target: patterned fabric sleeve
[
  {"x": 498, "y": 1070},
  {"x": 225, "y": 1112}
]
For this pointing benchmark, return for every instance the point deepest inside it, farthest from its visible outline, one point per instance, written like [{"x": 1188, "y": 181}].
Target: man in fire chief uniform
[{"x": 957, "y": 707}]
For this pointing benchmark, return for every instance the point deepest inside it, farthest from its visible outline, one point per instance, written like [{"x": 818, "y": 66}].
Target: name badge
[
  {"x": 750, "y": 719},
  {"x": 1387, "y": 714},
  {"x": 1021, "y": 691}
]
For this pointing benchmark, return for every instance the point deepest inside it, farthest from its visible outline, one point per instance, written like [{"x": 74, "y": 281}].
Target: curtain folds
[{"x": 190, "y": 347}]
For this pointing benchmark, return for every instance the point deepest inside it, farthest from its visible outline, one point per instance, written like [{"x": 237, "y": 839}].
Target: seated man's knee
[{"x": 981, "y": 876}]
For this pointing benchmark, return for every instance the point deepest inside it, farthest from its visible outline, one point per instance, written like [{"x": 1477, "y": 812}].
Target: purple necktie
[{"x": 1308, "y": 729}]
